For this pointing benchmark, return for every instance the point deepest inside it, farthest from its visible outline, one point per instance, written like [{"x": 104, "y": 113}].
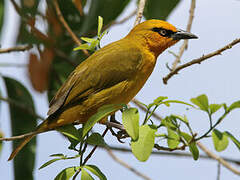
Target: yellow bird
[{"x": 112, "y": 75}]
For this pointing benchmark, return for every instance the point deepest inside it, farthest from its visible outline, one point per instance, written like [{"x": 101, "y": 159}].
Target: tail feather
[
  {"x": 43, "y": 127},
  {"x": 21, "y": 145}
]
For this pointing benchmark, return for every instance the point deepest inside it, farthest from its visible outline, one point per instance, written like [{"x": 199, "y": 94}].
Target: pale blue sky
[{"x": 216, "y": 23}]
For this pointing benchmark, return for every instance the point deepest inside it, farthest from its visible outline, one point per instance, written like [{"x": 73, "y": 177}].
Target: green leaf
[
  {"x": 89, "y": 40},
  {"x": 103, "y": 34},
  {"x": 75, "y": 142},
  {"x": 96, "y": 171},
  {"x": 183, "y": 119},
  {"x": 86, "y": 176},
  {"x": 57, "y": 155},
  {"x": 143, "y": 146},
  {"x": 233, "y": 106},
  {"x": 66, "y": 173},
  {"x": 22, "y": 121},
  {"x": 159, "y": 9},
  {"x": 234, "y": 140},
  {"x": 96, "y": 139},
  {"x": 83, "y": 46},
  {"x": 130, "y": 119},
  {"x": 176, "y": 101},
  {"x": 159, "y": 99},
  {"x": 102, "y": 112},
  {"x": 201, "y": 101},
  {"x": 1, "y": 15},
  {"x": 160, "y": 135},
  {"x": 220, "y": 140},
  {"x": 173, "y": 139},
  {"x": 214, "y": 107},
  {"x": 100, "y": 24},
  {"x": 167, "y": 122},
  {"x": 192, "y": 145},
  {"x": 70, "y": 131},
  {"x": 94, "y": 44},
  {"x": 49, "y": 162}
]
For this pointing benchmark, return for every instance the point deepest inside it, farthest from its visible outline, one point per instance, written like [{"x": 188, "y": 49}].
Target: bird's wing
[{"x": 105, "y": 68}]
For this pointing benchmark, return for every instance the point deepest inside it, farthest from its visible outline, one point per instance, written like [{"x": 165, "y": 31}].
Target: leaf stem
[{"x": 212, "y": 127}]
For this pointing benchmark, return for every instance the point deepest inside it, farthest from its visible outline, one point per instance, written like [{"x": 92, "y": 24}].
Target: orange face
[{"x": 159, "y": 35}]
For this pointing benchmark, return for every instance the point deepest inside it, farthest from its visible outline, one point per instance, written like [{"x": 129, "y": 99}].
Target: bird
[{"x": 113, "y": 74}]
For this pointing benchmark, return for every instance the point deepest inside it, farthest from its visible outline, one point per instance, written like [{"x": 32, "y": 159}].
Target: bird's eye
[{"x": 163, "y": 32}]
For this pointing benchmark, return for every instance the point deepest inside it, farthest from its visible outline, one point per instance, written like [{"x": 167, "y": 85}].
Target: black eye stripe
[{"x": 167, "y": 32}]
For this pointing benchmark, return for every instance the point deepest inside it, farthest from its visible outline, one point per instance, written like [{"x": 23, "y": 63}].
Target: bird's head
[{"x": 158, "y": 35}]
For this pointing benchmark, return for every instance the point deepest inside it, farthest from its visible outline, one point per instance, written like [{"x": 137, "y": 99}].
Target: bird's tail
[
  {"x": 49, "y": 124},
  {"x": 21, "y": 145},
  {"x": 43, "y": 127}
]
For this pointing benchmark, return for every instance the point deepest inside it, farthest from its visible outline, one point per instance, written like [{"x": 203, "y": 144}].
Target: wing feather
[{"x": 105, "y": 68}]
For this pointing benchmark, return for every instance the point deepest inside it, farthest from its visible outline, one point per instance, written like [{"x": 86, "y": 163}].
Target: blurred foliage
[
  {"x": 159, "y": 9},
  {"x": 53, "y": 59},
  {"x": 22, "y": 121},
  {"x": 1, "y": 15}
]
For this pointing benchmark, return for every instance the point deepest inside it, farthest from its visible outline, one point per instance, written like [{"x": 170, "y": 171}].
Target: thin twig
[
  {"x": 14, "y": 65},
  {"x": 21, "y": 106},
  {"x": 182, "y": 154},
  {"x": 61, "y": 18},
  {"x": 201, "y": 59},
  {"x": 218, "y": 170},
  {"x": 124, "y": 164},
  {"x": 169, "y": 149},
  {"x": 114, "y": 125},
  {"x": 185, "y": 43},
  {"x": 29, "y": 20},
  {"x": 136, "y": 102},
  {"x": 219, "y": 159},
  {"x": 141, "y": 6},
  {"x": 36, "y": 32},
  {"x": 18, "y": 137},
  {"x": 16, "y": 49},
  {"x": 124, "y": 19},
  {"x": 89, "y": 156},
  {"x": 223, "y": 161},
  {"x": 113, "y": 23}
]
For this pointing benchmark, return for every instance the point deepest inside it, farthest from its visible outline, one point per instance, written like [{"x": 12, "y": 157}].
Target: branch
[
  {"x": 219, "y": 159},
  {"x": 218, "y": 170},
  {"x": 141, "y": 6},
  {"x": 89, "y": 156},
  {"x": 61, "y": 18},
  {"x": 124, "y": 164},
  {"x": 211, "y": 155},
  {"x": 117, "y": 22},
  {"x": 201, "y": 59},
  {"x": 30, "y": 21},
  {"x": 187, "y": 155},
  {"x": 15, "y": 65},
  {"x": 185, "y": 43},
  {"x": 124, "y": 19},
  {"x": 16, "y": 49},
  {"x": 18, "y": 137},
  {"x": 169, "y": 149},
  {"x": 136, "y": 102},
  {"x": 36, "y": 32},
  {"x": 115, "y": 125}
]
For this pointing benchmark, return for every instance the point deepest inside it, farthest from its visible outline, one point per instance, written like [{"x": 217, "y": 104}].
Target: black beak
[{"x": 181, "y": 34}]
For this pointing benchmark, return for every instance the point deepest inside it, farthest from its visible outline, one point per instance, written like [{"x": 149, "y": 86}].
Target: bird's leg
[
  {"x": 113, "y": 123},
  {"x": 113, "y": 119}
]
